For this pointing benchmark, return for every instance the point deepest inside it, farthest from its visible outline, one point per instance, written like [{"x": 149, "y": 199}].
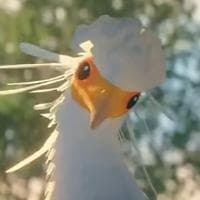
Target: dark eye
[
  {"x": 132, "y": 101},
  {"x": 83, "y": 71}
]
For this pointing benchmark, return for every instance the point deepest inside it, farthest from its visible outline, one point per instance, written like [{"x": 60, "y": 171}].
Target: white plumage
[
  {"x": 126, "y": 53},
  {"x": 89, "y": 163}
]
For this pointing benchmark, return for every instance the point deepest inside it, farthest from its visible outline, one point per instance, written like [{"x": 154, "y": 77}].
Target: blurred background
[{"x": 167, "y": 135}]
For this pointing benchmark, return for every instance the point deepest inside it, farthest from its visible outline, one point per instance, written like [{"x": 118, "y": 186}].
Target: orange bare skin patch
[{"x": 95, "y": 87}]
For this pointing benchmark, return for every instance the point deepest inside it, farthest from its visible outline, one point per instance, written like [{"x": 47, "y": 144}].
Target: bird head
[{"x": 120, "y": 59}]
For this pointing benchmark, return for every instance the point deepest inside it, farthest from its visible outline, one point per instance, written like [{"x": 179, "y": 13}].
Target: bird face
[{"x": 98, "y": 96}]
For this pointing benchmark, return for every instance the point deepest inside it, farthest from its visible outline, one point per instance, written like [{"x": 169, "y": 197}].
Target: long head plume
[{"x": 67, "y": 66}]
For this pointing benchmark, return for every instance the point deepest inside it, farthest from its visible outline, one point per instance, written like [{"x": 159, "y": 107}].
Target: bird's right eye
[
  {"x": 83, "y": 71},
  {"x": 132, "y": 101}
]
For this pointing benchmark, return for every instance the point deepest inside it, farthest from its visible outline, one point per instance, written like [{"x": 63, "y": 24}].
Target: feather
[
  {"x": 36, "y": 82},
  {"x": 38, "y": 52},
  {"x": 30, "y": 66},
  {"x": 45, "y": 90},
  {"x": 47, "y": 145},
  {"x": 30, "y": 88},
  {"x": 43, "y": 106}
]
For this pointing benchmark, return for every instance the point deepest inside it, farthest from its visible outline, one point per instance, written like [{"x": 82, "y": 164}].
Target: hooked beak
[{"x": 100, "y": 109}]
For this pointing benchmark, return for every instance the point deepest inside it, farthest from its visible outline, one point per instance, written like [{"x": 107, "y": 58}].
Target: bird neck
[{"x": 88, "y": 162}]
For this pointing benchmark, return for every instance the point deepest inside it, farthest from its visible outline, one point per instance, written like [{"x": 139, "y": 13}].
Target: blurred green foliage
[{"x": 51, "y": 24}]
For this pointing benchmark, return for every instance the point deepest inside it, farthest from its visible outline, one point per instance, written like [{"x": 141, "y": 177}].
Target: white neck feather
[{"x": 89, "y": 165}]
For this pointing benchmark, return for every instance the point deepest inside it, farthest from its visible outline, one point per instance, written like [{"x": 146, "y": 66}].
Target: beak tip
[
  {"x": 93, "y": 125},
  {"x": 98, "y": 115}
]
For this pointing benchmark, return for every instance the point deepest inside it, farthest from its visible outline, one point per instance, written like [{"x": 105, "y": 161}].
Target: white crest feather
[
  {"x": 87, "y": 46},
  {"x": 38, "y": 52},
  {"x": 126, "y": 53}
]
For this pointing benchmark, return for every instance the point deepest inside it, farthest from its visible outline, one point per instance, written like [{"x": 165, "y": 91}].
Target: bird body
[{"x": 89, "y": 163}]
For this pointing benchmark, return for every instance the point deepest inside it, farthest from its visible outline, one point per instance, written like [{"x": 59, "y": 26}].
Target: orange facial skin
[{"x": 92, "y": 88}]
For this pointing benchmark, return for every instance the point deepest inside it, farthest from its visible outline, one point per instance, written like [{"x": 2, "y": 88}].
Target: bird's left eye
[
  {"x": 132, "y": 101},
  {"x": 83, "y": 71}
]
